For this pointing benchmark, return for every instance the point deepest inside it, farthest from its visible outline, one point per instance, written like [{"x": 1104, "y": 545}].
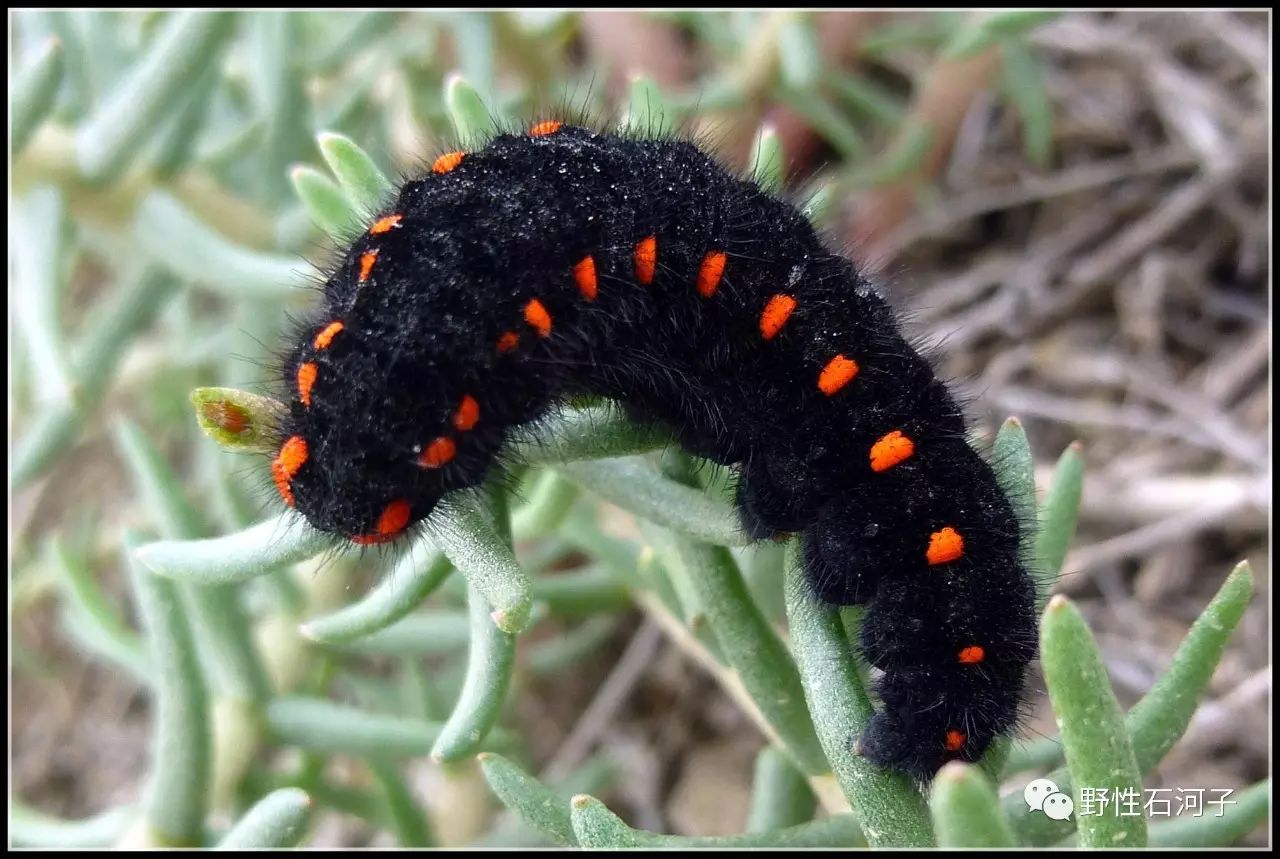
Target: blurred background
[{"x": 1073, "y": 207}]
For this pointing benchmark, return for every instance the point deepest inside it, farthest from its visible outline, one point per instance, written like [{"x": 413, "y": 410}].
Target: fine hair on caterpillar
[{"x": 557, "y": 261}]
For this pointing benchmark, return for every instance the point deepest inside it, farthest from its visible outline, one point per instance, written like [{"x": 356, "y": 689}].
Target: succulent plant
[{"x": 181, "y": 162}]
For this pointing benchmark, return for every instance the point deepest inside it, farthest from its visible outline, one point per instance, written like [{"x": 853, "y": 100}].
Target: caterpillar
[{"x": 562, "y": 262}]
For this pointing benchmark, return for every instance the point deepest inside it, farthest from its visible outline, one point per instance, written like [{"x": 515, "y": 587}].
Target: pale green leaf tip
[
  {"x": 953, "y": 772},
  {"x": 1243, "y": 570},
  {"x": 141, "y": 553},
  {"x": 237, "y": 420},
  {"x": 513, "y": 620}
]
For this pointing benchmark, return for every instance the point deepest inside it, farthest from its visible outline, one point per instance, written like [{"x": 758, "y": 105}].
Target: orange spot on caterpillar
[
  {"x": 838, "y": 373},
  {"x": 710, "y": 272},
  {"x": 447, "y": 162},
  {"x": 367, "y": 259},
  {"x": 507, "y": 342},
  {"x": 468, "y": 413},
  {"x": 542, "y": 129},
  {"x": 306, "y": 378},
  {"x": 891, "y": 449},
  {"x": 646, "y": 258},
  {"x": 226, "y": 417},
  {"x": 972, "y": 655},
  {"x": 291, "y": 458},
  {"x": 386, "y": 224},
  {"x": 955, "y": 740},
  {"x": 325, "y": 337},
  {"x": 775, "y": 315},
  {"x": 944, "y": 546},
  {"x": 438, "y": 453},
  {"x": 585, "y": 275},
  {"x": 392, "y": 521},
  {"x": 537, "y": 316}
]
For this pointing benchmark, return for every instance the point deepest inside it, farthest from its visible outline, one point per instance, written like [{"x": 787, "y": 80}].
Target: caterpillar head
[{"x": 371, "y": 438}]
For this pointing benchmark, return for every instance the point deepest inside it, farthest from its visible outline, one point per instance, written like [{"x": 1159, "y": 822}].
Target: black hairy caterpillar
[{"x": 562, "y": 262}]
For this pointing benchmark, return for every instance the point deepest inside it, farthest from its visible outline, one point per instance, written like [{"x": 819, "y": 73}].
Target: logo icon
[{"x": 1043, "y": 795}]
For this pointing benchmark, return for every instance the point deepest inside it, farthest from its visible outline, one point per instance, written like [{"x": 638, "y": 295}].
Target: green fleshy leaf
[
  {"x": 903, "y": 158},
  {"x": 1098, "y": 751},
  {"x": 430, "y": 632},
  {"x": 867, "y": 97},
  {"x": 236, "y": 557},
  {"x": 279, "y": 819},
  {"x": 780, "y": 794},
  {"x": 472, "y": 121},
  {"x": 488, "y": 677},
  {"x": 892, "y": 812},
  {"x": 92, "y": 619},
  {"x": 799, "y": 55},
  {"x": 208, "y": 259},
  {"x": 582, "y": 592},
  {"x": 1058, "y": 517},
  {"x": 114, "y": 134},
  {"x": 598, "y": 773},
  {"x": 749, "y": 644},
  {"x": 647, "y": 112},
  {"x": 984, "y": 29},
  {"x": 181, "y": 751},
  {"x": 176, "y": 147},
  {"x": 407, "y": 820},
  {"x": 1157, "y": 721},
  {"x": 360, "y": 31},
  {"x": 826, "y": 119},
  {"x": 767, "y": 160},
  {"x": 323, "y": 726},
  {"x": 38, "y": 231},
  {"x": 1244, "y": 812},
  {"x": 238, "y": 420},
  {"x": 473, "y": 32},
  {"x": 275, "y": 43},
  {"x": 635, "y": 486},
  {"x": 1016, "y": 469},
  {"x": 466, "y": 535},
  {"x": 597, "y": 827},
  {"x": 966, "y": 810},
  {"x": 550, "y": 501},
  {"x": 33, "y": 93},
  {"x": 325, "y": 202},
  {"x": 129, "y": 312},
  {"x": 218, "y": 619},
  {"x": 416, "y": 573},
  {"x": 365, "y": 186},
  {"x": 535, "y": 804},
  {"x": 588, "y": 433},
  {"x": 819, "y": 207},
  {"x": 1024, "y": 82},
  {"x": 1034, "y": 755},
  {"x": 31, "y": 828}
]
